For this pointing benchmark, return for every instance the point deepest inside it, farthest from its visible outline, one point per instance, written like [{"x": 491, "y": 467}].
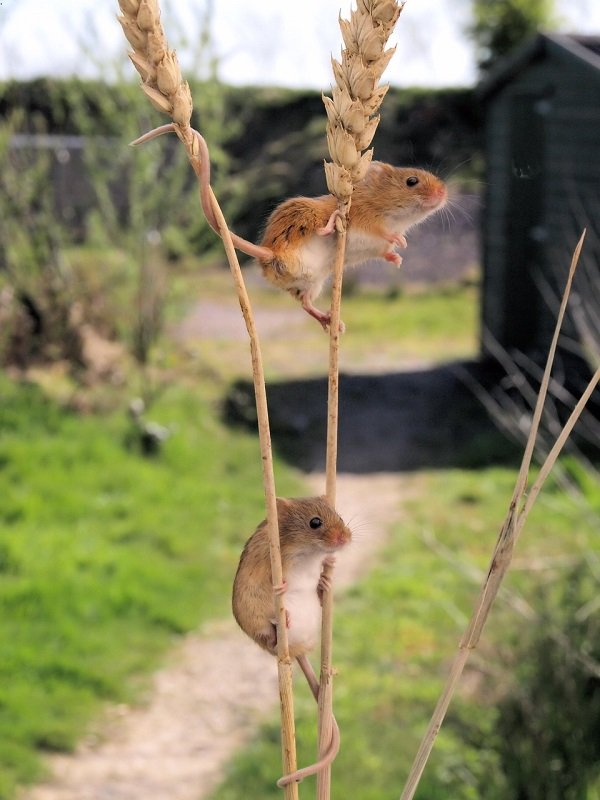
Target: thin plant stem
[
  {"x": 284, "y": 662},
  {"x": 512, "y": 526},
  {"x": 352, "y": 115},
  {"x": 163, "y": 84},
  {"x": 326, "y": 675},
  {"x": 333, "y": 377},
  {"x": 189, "y": 138}
]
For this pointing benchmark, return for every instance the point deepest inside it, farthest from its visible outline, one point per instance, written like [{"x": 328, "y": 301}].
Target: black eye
[
  {"x": 412, "y": 181},
  {"x": 315, "y": 523}
]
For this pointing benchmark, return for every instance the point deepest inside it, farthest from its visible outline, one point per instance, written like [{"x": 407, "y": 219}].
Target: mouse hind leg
[
  {"x": 267, "y": 638},
  {"x": 323, "y": 317}
]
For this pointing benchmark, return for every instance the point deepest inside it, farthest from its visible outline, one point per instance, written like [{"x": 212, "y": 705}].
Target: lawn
[{"x": 105, "y": 555}]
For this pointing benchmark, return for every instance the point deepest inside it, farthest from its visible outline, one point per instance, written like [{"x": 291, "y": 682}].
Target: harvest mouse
[
  {"x": 385, "y": 204},
  {"x": 298, "y": 247},
  {"x": 310, "y": 530}
]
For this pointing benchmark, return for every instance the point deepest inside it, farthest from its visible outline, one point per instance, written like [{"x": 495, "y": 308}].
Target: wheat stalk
[
  {"x": 352, "y": 118},
  {"x": 164, "y": 86},
  {"x": 520, "y": 506}
]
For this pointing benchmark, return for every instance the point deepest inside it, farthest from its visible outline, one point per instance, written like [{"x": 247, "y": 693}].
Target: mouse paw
[
  {"x": 322, "y": 317},
  {"x": 325, "y": 584},
  {"x": 396, "y": 238},
  {"x": 280, "y": 588},
  {"x": 341, "y": 328},
  {"x": 329, "y": 228},
  {"x": 393, "y": 257}
]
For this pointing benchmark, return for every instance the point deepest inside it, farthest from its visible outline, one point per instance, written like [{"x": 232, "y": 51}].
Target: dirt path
[{"x": 215, "y": 689}]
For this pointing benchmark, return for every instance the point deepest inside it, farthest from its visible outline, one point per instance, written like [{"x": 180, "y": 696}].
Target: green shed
[{"x": 542, "y": 112}]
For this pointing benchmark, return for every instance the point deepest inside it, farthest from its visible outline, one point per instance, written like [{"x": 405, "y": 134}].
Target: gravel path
[{"x": 214, "y": 691}]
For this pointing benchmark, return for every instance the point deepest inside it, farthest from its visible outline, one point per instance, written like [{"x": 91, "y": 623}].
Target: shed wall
[{"x": 542, "y": 188}]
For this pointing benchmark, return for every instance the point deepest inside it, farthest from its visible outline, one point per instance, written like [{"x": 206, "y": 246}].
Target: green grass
[
  {"x": 383, "y": 330},
  {"x": 431, "y": 324},
  {"x": 105, "y": 556},
  {"x": 395, "y": 634}
]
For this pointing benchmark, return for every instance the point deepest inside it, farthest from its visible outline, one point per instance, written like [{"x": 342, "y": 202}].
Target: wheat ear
[
  {"x": 352, "y": 118},
  {"x": 168, "y": 92}
]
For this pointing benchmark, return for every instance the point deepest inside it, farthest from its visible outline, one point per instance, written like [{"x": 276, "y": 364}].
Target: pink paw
[
  {"x": 329, "y": 228},
  {"x": 397, "y": 238},
  {"x": 325, "y": 584},
  {"x": 393, "y": 257}
]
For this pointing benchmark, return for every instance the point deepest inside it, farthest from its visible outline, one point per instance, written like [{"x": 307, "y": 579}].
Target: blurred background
[{"x": 129, "y": 467}]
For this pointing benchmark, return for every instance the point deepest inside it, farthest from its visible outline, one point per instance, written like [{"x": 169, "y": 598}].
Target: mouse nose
[
  {"x": 341, "y": 536},
  {"x": 437, "y": 195}
]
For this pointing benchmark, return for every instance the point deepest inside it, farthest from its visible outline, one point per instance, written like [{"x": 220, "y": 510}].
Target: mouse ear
[
  {"x": 283, "y": 503},
  {"x": 376, "y": 168}
]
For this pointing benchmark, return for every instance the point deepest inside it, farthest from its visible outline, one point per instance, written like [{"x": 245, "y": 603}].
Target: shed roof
[{"x": 583, "y": 49}]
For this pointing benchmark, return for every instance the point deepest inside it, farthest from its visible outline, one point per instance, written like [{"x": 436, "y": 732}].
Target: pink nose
[
  {"x": 438, "y": 195},
  {"x": 340, "y": 537}
]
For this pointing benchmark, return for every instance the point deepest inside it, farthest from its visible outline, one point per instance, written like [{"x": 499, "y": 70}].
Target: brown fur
[
  {"x": 382, "y": 192},
  {"x": 295, "y": 219},
  {"x": 252, "y": 601}
]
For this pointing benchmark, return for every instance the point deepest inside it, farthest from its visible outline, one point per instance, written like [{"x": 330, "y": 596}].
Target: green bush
[{"x": 548, "y": 725}]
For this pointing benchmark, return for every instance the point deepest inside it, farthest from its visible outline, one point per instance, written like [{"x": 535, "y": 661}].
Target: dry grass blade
[
  {"x": 509, "y": 533},
  {"x": 163, "y": 85},
  {"x": 353, "y": 117},
  {"x": 554, "y": 453},
  {"x": 518, "y": 603}
]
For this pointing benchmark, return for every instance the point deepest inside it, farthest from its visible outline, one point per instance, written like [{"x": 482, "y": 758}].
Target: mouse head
[
  {"x": 406, "y": 188},
  {"x": 311, "y": 524}
]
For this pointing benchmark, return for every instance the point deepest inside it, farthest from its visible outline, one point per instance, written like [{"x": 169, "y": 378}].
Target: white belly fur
[
  {"x": 316, "y": 255},
  {"x": 302, "y": 602},
  {"x": 316, "y": 262},
  {"x": 360, "y": 247}
]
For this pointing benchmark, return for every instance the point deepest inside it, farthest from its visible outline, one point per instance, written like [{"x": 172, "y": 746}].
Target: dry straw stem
[
  {"x": 284, "y": 663},
  {"x": 352, "y": 118},
  {"x": 168, "y": 92},
  {"x": 521, "y": 504}
]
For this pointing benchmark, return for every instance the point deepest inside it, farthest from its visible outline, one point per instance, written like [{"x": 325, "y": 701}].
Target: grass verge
[{"x": 105, "y": 556}]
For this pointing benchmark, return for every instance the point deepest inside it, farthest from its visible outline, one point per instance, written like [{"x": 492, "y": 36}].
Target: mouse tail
[
  {"x": 254, "y": 250},
  {"x": 334, "y": 745},
  {"x": 206, "y": 193}
]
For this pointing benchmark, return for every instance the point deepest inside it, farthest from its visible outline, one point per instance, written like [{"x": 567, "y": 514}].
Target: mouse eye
[
  {"x": 315, "y": 523},
  {"x": 412, "y": 181}
]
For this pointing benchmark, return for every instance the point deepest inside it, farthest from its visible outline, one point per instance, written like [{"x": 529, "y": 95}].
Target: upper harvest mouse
[
  {"x": 297, "y": 249},
  {"x": 385, "y": 204}
]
